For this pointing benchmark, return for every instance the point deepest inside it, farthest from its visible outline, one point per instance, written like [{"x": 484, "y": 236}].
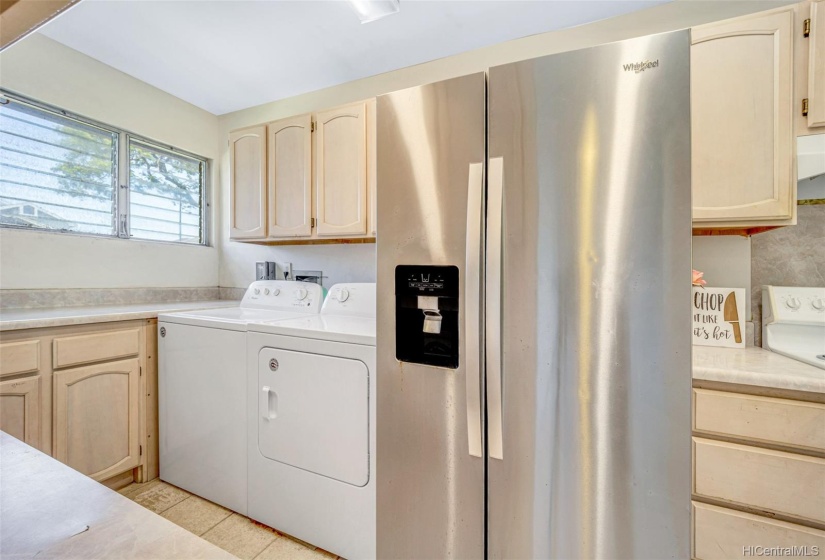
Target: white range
[
  {"x": 201, "y": 388},
  {"x": 793, "y": 323}
]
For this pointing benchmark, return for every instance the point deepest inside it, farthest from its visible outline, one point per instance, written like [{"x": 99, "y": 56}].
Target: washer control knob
[
  {"x": 342, "y": 295},
  {"x": 818, "y": 304},
  {"x": 257, "y": 291},
  {"x": 266, "y": 291},
  {"x": 793, "y": 303},
  {"x": 300, "y": 294},
  {"x": 276, "y": 291}
]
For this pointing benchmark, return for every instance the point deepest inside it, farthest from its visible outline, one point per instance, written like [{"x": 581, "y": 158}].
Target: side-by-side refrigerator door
[
  {"x": 430, "y": 465},
  {"x": 588, "y": 303}
]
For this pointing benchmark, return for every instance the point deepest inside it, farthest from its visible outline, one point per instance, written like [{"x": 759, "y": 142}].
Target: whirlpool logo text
[{"x": 637, "y": 67}]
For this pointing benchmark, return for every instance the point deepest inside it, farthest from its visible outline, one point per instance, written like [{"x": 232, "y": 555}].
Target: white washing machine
[
  {"x": 201, "y": 388},
  {"x": 311, "y": 423}
]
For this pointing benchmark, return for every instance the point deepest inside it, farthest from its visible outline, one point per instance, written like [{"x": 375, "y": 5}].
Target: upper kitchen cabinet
[
  {"x": 320, "y": 178},
  {"x": 809, "y": 69},
  {"x": 341, "y": 171},
  {"x": 815, "y": 29},
  {"x": 289, "y": 180},
  {"x": 744, "y": 176},
  {"x": 247, "y": 183}
]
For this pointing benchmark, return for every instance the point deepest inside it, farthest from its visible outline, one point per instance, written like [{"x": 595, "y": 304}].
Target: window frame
[{"x": 121, "y": 217}]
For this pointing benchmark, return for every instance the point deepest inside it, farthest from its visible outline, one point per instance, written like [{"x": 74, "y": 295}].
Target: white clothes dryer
[
  {"x": 201, "y": 388},
  {"x": 311, "y": 423}
]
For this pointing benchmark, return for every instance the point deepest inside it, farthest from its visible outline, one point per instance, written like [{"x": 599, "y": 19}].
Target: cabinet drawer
[
  {"x": 769, "y": 480},
  {"x": 19, "y": 357},
  {"x": 786, "y": 422},
  {"x": 96, "y": 347},
  {"x": 721, "y": 533}
]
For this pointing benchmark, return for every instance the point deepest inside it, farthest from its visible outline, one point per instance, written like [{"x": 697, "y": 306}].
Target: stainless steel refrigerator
[{"x": 534, "y": 323}]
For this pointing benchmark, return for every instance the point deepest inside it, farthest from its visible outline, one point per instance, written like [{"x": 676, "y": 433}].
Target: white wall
[
  {"x": 726, "y": 262},
  {"x": 357, "y": 263},
  {"x": 47, "y": 71}
]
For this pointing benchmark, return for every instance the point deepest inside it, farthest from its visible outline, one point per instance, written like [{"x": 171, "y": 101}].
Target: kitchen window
[{"x": 63, "y": 173}]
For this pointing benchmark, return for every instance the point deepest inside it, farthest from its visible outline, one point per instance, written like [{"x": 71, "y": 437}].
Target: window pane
[
  {"x": 165, "y": 195},
  {"x": 55, "y": 173}
]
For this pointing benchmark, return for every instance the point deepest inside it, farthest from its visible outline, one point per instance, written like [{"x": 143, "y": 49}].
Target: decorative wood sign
[{"x": 719, "y": 317}]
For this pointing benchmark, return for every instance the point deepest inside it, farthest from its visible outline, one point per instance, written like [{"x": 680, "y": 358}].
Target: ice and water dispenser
[{"x": 426, "y": 314}]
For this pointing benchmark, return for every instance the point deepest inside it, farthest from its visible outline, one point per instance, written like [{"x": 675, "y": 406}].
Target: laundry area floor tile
[
  {"x": 196, "y": 515},
  {"x": 240, "y": 536},
  {"x": 284, "y": 548},
  {"x": 159, "y": 497},
  {"x": 236, "y": 534}
]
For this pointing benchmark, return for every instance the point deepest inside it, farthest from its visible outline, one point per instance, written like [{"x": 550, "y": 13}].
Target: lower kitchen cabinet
[
  {"x": 20, "y": 409},
  {"x": 96, "y": 418},
  {"x": 758, "y": 474},
  {"x": 723, "y": 533},
  {"x": 85, "y": 394}
]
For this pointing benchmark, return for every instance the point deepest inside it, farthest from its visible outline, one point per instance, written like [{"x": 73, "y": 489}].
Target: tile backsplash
[
  {"x": 34, "y": 299},
  {"x": 789, "y": 256}
]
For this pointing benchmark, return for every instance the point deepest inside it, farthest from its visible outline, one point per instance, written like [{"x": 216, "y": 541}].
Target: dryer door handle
[{"x": 269, "y": 403}]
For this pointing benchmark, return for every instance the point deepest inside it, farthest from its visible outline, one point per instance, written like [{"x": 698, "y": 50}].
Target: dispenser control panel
[{"x": 427, "y": 309}]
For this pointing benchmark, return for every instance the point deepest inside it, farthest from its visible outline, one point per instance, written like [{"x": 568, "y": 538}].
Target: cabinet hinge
[
  {"x": 312, "y": 126},
  {"x": 805, "y": 107},
  {"x": 140, "y": 448},
  {"x": 806, "y": 28}
]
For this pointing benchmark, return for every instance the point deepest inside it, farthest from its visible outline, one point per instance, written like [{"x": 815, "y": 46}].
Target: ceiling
[{"x": 226, "y": 55}]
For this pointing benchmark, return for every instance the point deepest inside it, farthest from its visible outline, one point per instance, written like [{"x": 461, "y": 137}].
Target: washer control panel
[
  {"x": 284, "y": 294},
  {"x": 354, "y": 299}
]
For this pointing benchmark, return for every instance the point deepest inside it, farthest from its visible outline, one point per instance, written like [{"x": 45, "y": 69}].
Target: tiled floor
[{"x": 230, "y": 531}]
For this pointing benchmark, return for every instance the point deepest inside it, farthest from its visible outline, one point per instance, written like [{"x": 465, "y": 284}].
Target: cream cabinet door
[
  {"x": 816, "y": 66},
  {"x": 341, "y": 171},
  {"x": 742, "y": 121},
  {"x": 20, "y": 409},
  {"x": 96, "y": 418},
  {"x": 289, "y": 182},
  {"x": 372, "y": 168},
  {"x": 247, "y": 183}
]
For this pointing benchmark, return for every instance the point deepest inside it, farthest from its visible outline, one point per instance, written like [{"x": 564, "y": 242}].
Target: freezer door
[
  {"x": 430, "y": 470},
  {"x": 589, "y": 456}
]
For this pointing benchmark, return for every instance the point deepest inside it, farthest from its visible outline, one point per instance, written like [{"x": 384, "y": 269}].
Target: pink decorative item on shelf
[{"x": 697, "y": 279}]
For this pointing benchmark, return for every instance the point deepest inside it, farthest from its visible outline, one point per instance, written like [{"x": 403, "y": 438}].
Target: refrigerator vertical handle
[
  {"x": 472, "y": 307},
  {"x": 495, "y": 195}
]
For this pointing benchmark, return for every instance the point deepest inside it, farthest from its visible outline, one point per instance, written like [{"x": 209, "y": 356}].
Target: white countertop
[
  {"x": 16, "y": 319},
  {"x": 48, "y": 510},
  {"x": 756, "y": 367}
]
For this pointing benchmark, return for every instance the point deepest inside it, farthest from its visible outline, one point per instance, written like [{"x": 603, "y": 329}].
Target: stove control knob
[
  {"x": 342, "y": 295},
  {"x": 793, "y": 303},
  {"x": 276, "y": 291},
  {"x": 300, "y": 294},
  {"x": 266, "y": 291},
  {"x": 818, "y": 304},
  {"x": 257, "y": 291}
]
